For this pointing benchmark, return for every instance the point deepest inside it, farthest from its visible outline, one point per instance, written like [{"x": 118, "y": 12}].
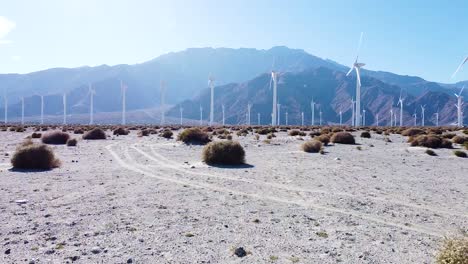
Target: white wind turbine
[
  {"x": 357, "y": 67},
  {"x": 64, "y": 101},
  {"x": 123, "y": 90},
  {"x": 459, "y": 67},
  {"x": 211, "y": 84},
  {"x": 363, "y": 117},
  {"x": 312, "y": 106},
  {"x": 274, "y": 79},
  {"x": 162, "y": 91},
  {"x": 423, "y": 108},
  {"x": 22, "y": 110},
  {"x": 258, "y": 118},
  {"x": 353, "y": 119},
  {"x": 286, "y": 118},
  {"x": 391, "y": 115},
  {"x": 400, "y": 102},
  {"x": 279, "y": 114},
  {"x": 302, "y": 118},
  {"x": 415, "y": 116},
  {"x": 222, "y": 106},
  {"x": 320, "y": 113},
  {"x": 91, "y": 93},
  {"x": 341, "y": 117},
  {"x": 459, "y": 107},
  {"x": 437, "y": 117},
  {"x": 201, "y": 115},
  {"x": 377, "y": 119}
]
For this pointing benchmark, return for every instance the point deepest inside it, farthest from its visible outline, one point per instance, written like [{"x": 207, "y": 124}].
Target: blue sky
[{"x": 423, "y": 38}]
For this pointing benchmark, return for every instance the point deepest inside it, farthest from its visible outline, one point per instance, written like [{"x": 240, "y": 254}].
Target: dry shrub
[
  {"x": 460, "y": 153},
  {"x": 313, "y": 146},
  {"x": 36, "y": 135},
  {"x": 120, "y": 132},
  {"x": 448, "y": 135},
  {"x": 343, "y": 138},
  {"x": 411, "y": 132},
  {"x": 143, "y": 133},
  {"x": 365, "y": 134},
  {"x": 459, "y": 140},
  {"x": 466, "y": 145},
  {"x": 430, "y": 141},
  {"x": 453, "y": 251},
  {"x": 166, "y": 134},
  {"x": 78, "y": 131},
  {"x": 94, "y": 134},
  {"x": 19, "y": 129},
  {"x": 55, "y": 138},
  {"x": 34, "y": 156},
  {"x": 193, "y": 136},
  {"x": 72, "y": 142},
  {"x": 296, "y": 133},
  {"x": 430, "y": 152},
  {"x": 325, "y": 139},
  {"x": 224, "y": 153}
]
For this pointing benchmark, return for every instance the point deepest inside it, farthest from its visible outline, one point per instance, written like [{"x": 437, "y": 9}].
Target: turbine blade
[
  {"x": 459, "y": 67},
  {"x": 350, "y": 71},
  {"x": 461, "y": 90},
  {"x": 358, "y": 77},
  {"x": 271, "y": 80}
]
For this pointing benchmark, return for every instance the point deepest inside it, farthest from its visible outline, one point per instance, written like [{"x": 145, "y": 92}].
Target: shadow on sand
[{"x": 241, "y": 166}]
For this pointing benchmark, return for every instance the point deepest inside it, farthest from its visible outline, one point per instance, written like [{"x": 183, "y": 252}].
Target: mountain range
[{"x": 241, "y": 77}]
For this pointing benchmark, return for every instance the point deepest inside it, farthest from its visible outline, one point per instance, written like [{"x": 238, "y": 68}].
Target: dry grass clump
[
  {"x": 265, "y": 130},
  {"x": 449, "y": 135},
  {"x": 325, "y": 139},
  {"x": 193, "y": 136},
  {"x": 19, "y": 129},
  {"x": 459, "y": 139},
  {"x": 143, "y": 133},
  {"x": 343, "y": 138},
  {"x": 224, "y": 153},
  {"x": 460, "y": 153},
  {"x": 365, "y": 134},
  {"x": 55, "y": 138},
  {"x": 72, "y": 142},
  {"x": 36, "y": 135},
  {"x": 411, "y": 132},
  {"x": 120, "y": 131},
  {"x": 430, "y": 152},
  {"x": 166, "y": 134},
  {"x": 312, "y": 146},
  {"x": 78, "y": 131},
  {"x": 296, "y": 133},
  {"x": 34, "y": 156},
  {"x": 430, "y": 141},
  {"x": 453, "y": 251},
  {"x": 466, "y": 145},
  {"x": 94, "y": 134}
]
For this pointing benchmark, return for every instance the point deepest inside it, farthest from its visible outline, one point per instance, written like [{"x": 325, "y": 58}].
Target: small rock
[
  {"x": 95, "y": 250},
  {"x": 7, "y": 252},
  {"x": 337, "y": 159},
  {"x": 192, "y": 167},
  {"x": 50, "y": 251},
  {"x": 240, "y": 252},
  {"x": 22, "y": 201},
  {"x": 130, "y": 260}
]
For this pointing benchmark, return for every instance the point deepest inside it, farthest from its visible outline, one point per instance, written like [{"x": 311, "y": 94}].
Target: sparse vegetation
[
  {"x": 30, "y": 155},
  {"x": 36, "y": 135},
  {"x": 224, "y": 153},
  {"x": 296, "y": 133},
  {"x": 459, "y": 140},
  {"x": 120, "y": 131},
  {"x": 411, "y": 132},
  {"x": 193, "y": 136},
  {"x": 325, "y": 139},
  {"x": 453, "y": 251},
  {"x": 55, "y": 138},
  {"x": 166, "y": 134},
  {"x": 312, "y": 146},
  {"x": 365, "y": 134},
  {"x": 72, "y": 142},
  {"x": 343, "y": 138},
  {"x": 460, "y": 153},
  {"x": 430, "y": 141},
  {"x": 95, "y": 134},
  {"x": 430, "y": 152}
]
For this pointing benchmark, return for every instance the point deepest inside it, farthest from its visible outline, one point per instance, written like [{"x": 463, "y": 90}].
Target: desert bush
[
  {"x": 229, "y": 137},
  {"x": 411, "y": 132},
  {"x": 430, "y": 152},
  {"x": 460, "y": 153},
  {"x": 312, "y": 146},
  {"x": 193, "y": 136},
  {"x": 143, "y": 133},
  {"x": 466, "y": 145},
  {"x": 94, "y": 134},
  {"x": 120, "y": 131},
  {"x": 325, "y": 139},
  {"x": 430, "y": 141},
  {"x": 166, "y": 134},
  {"x": 224, "y": 153},
  {"x": 453, "y": 251},
  {"x": 55, "y": 138},
  {"x": 72, "y": 142},
  {"x": 296, "y": 133},
  {"x": 78, "y": 131},
  {"x": 343, "y": 138},
  {"x": 36, "y": 135},
  {"x": 365, "y": 134},
  {"x": 34, "y": 156},
  {"x": 448, "y": 135},
  {"x": 19, "y": 129},
  {"x": 459, "y": 140}
]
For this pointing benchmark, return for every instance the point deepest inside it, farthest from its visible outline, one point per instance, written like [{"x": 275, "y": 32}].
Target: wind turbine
[
  {"x": 423, "y": 108},
  {"x": 258, "y": 118},
  {"x": 22, "y": 110},
  {"x": 459, "y": 67},
  {"x": 223, "y": 113},
  {"x": 162, "y": 90},
  {"x": 286, "y": 118},
  {"x": 312, "y": 106},
  {"x": 274, "y": 79},
  {"x": 377, "y": 119},
  {"x": 64, "y": 101},
  {"x": 42, "y": 109},
  {"x": 363, "y": 117},
  {"x": 201, "y": 115},
  {"x": 459, "y": 107},
  {"x": 123, "y": 90},
  {"x": 391, "y": 115},
  {"x": 91, "y": 93},
  {"x": 437, "y": 117},
  {"x": 357, "y": 67},
  {"x": 279, "y": 114},
  {"x": 320, "y": 113},
  {"x": 400, "y": 102},
  {"x": 415, "y": 116},
  {"x": 302, "y": 118},
  {"x": 181, "y": 113},
  {"x": 341, "y": 117},
  {"x": 211, "y": 84},
  {"x": 353, "y": 119}
]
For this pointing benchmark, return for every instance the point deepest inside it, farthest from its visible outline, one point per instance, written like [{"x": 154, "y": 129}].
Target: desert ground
[{"x": 130, "y": 199}]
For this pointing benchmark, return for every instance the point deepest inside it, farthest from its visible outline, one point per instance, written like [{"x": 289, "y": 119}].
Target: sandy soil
[{"x": 151, "y": 200}]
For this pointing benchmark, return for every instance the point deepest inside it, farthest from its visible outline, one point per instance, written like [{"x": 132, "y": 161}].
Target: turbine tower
[
  {"x": 211, "y": 85},
  {"x": 258, "y": 118},
  {"x": 201, "y": 115},
  {"x": 363, "y": 117},
  {"x": 391, "y": 115},
  {"x": 459, "y": 107},
  {"x": 320, "y": 113},
  {"x": 42, "y": 109},
  {"x": 123, "y": 90},
  {"x": 91, "y": 92},
  {"x": 279, "y": 114},
  {"x": 162, "y": 87},
  {"x": 302, "y": 118},
  {"x": 286, "y": 118},
  {"x": 312, "y": 106},
  {"x": 353, "y": 112},
  {"x": 423, "y": 108},
  {"x": 64, "y": 101},
  {"x": 223, "y": 113},
  {"x": 341, "y": 118},
  {"x": 377, "y": 119},
  {"x": 357, "y": 67},
  {"x": 415, "y": 116},
  {"x": 400, "y": 102},
  {"x": 275, "y": 115},
  {"x": 437, "y": 118}
]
